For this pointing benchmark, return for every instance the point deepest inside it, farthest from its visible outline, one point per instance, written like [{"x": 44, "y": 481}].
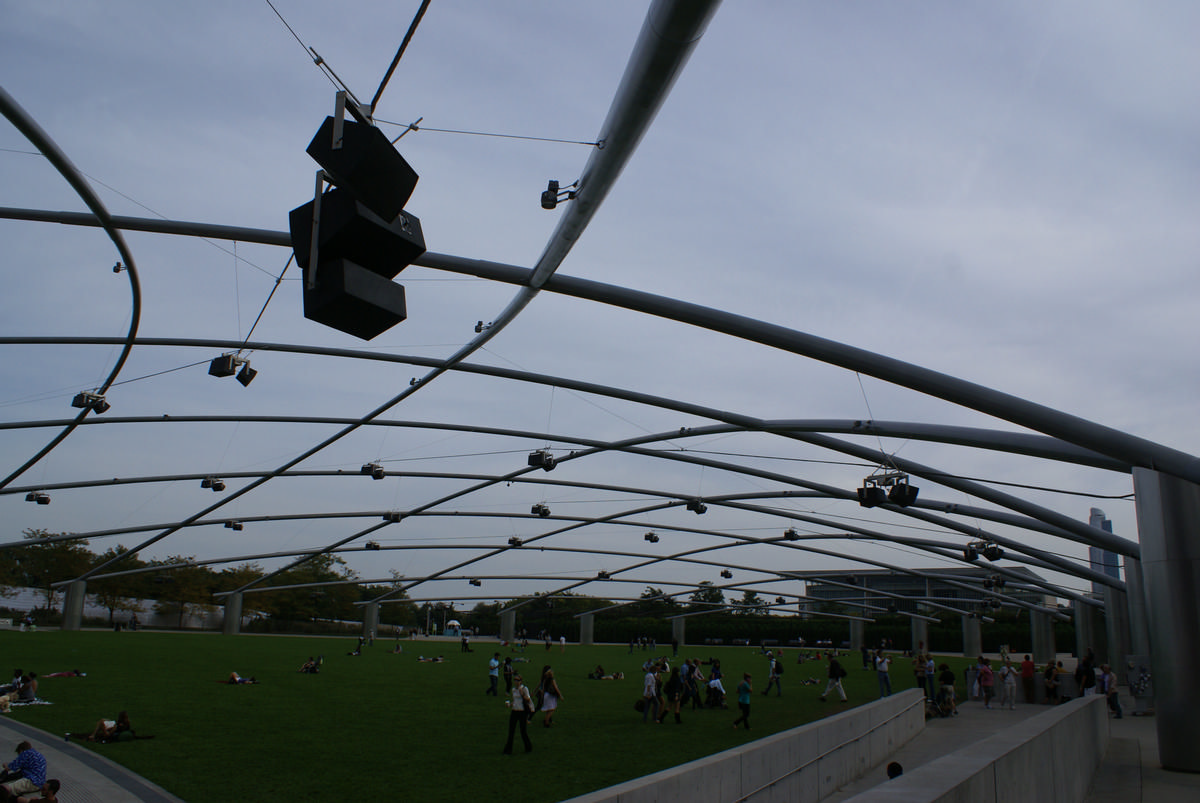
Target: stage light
[
  {"x": 543, "y": 459},
  {"x": 90, "y": 401},
  {"x": 233, "y": 525},
  {"x": 39, "y": 497},
  {"x": 892, "y": 607},
  {"x": 602, "y": 575},
  {"x": 514, "y": 541},
  {"x": 890, "y": 486},
  {"x": 225, "y": 365},
  {"x": 697, "y": 507},
  {"x": 970, "y": 554},
  {"x": 476, "y": 582},
  {"x": 372, "y": 545},
  {"x": 651, "y": 536},
  {"x": 871, "y": 495},
  {"x": 902, "y": 494},
  {"x": 780, "y": 601},
  {"x": 117, "y": 268},
  {"x": 374, "y": 470},
  {"x": 482, "y": 327},
  {"x": 392, "y": 516},
  {"x": 246, "y": 375},
  {"x": 993, "y": 552},
  {"x": 540, "y": 510},
  {"x": 217, "y": 485},
  {"x": 726, "y": 574},
  {"x": 552, "y": 194},
  {"x": 790, "y": 534}
]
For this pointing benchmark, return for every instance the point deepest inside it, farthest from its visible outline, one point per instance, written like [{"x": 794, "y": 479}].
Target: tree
[
  {"x": 41, "y": 564},
  {"x": 118, "y": 593},
  {"x": 751, "y": 604},
  {"x": 706, "y": 595},
  {"x": 185, "y": 587}
]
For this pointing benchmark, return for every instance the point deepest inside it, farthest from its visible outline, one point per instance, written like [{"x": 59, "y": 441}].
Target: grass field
[{"x": 381, "y": 724}]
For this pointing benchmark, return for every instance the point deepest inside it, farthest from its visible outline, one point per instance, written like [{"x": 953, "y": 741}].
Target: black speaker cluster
[{"x": 363, "y": 235}]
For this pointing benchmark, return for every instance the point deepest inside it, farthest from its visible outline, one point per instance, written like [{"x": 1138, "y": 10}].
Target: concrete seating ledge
[
  {"x": 804, "y": 763},
  {"x": 1052, "y": 756}
]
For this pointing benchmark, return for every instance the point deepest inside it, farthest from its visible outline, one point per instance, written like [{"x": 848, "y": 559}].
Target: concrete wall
[
  {"x": 805, "y": 763},
  {"x": 1052, "y": 756}
]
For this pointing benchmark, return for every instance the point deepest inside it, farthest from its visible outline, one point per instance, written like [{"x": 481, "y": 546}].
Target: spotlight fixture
[
  {"x": 790, "y": 534},
  {"x": 40, "y": 497},
  {"x": 552, "y": 194},
  {"x": 543, "y": 459},
  {"x": 372, "y": 545},
  {"x": 871, "y": 495},
  {"x": 482, "y": 327},
  {"x": 697, "y": 506},
  {"x": 890, "y": 486},
  {"x": 228, "y": 364},
  {"x": 246, "y": 375},
  {"x": 392, "y": 516},
  {"x": 117, "y": 268},
  {"x": 651, "y": 536},
  {"x": 475, "y": 581},
  {"x": 217, "y": 485},
  {"x": 225, "y": 365},
  {"x": 602, "y": 575},
  {"x": 780, "y": 601},
  {"x": 892, "y": 608},
  {"x": 540, "y": 510},
  {"x": 726, "y": 574},
  {"x": 233, "y": 525},
  {"x": 374, "y": 470},
  {"x": 514, "y": 541},
  {"x": 986, "y": 548},
  {"x": 90, "y": 401}
]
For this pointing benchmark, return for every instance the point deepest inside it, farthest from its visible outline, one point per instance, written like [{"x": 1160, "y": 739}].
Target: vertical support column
[
  {"x": 1085, "y": 628},
  {"x": 1116, "y": 620},
  {"x": 233, "y": 615},
  {"x": 508, "y": 625},
  {"x": 587, "y": 625},
  {"x": 972, "y": 636},
  {"x": 1041, "y": 628},
  {"x": 858, "y": 629},
  {"x": 679, "y": 630},
  {"x": 1168, "y": 514},
  {"x": 73, "y": 605},
  {"x": 370, "y": 620},
  {"x": 920, "y": 636},
  {"x": 1139, "y": 627}
]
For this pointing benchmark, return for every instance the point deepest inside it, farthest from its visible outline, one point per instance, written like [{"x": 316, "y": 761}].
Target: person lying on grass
[
  {"x": 109, "y": 730},
  {"x": 235, "y": 678}
]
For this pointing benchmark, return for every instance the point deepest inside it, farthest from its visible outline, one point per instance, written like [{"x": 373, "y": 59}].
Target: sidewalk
[
  {"x": 86, "y": 777},
  {"x": 1131, "y": 772}
]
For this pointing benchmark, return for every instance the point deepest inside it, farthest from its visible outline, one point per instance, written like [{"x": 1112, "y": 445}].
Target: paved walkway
[
  {"x": 86, "y": 776},
  {"x": 1131, "y": 772}
]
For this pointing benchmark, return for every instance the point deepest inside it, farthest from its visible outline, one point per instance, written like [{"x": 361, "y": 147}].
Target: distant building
[
  {"x": 1102, "y": 560},
  {"x": 938, "y": 585}
]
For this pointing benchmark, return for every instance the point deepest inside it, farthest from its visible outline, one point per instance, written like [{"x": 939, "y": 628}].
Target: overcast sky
[{"x": 1007, "y": 193}]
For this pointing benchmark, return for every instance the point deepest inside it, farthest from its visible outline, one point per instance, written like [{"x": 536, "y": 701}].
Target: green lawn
[{"x": 384, "y": 724}]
